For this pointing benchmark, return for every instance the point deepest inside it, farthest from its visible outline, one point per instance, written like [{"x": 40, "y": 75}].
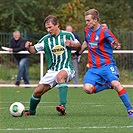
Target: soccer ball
[{"x": 17, "y": 109}]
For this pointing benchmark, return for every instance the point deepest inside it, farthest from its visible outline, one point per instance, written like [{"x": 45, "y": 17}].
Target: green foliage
[
  {"x": 29, "y": 14},
  {"x": 15, "y": 14},
  {"x": 71, "y": 13},
  {"x": 117, "y": 14}
]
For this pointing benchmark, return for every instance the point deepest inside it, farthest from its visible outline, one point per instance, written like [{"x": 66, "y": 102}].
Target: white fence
[{"x": 42, "y": 65}]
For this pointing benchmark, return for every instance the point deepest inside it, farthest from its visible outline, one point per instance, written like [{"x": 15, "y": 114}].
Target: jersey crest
[{"x": 58, "y": 50}]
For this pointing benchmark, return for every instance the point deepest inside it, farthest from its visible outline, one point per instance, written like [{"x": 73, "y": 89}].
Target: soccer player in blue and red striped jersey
[{"x": 102, "y": 72}]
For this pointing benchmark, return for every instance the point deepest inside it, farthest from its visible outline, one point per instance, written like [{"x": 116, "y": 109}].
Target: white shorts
[{"x": 50, "y": 77}]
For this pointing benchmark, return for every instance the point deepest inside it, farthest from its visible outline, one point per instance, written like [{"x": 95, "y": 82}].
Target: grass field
[{"x": 97, "y": 113}]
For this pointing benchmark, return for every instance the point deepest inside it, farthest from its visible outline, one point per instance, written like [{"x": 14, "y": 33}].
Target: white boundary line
[
  {"x": 64, "y": 128},
  {"x": 35, "y": 85}
]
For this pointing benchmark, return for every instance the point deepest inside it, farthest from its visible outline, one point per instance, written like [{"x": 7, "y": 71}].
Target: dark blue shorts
[{"x": 107, "y": 73}]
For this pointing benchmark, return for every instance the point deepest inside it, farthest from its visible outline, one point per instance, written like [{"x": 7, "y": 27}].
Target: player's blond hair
[{"x": 93, "y": 12}]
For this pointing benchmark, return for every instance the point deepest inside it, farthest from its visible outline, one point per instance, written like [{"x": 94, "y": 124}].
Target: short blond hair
[{"x": 93, "y": 12}]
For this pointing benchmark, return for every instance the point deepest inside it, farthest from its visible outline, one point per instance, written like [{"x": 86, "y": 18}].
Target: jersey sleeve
[
  {"x": 73, "y": 39},
  {"x": 110, "y": 36},
  {"x": 39, "y": 46}
]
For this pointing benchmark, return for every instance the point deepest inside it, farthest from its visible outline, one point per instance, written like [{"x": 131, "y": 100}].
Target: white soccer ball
[{"x": 16, "y": 109}]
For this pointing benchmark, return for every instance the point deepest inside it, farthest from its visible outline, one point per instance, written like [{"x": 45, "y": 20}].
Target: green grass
[{"x": 97, "y": 113}]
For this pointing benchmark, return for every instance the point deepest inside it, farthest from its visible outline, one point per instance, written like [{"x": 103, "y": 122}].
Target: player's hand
[
  {"x": 116, "y": 45},
  {"x": 28, "y": 44},
  {"x": 68, "y": 43}
]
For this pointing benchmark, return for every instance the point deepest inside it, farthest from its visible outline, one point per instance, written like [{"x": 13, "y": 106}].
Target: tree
[
  {"x": 29, "y": 14},
  {"x": 117, "y": 14},
  {"x": 14, "y": 14}
]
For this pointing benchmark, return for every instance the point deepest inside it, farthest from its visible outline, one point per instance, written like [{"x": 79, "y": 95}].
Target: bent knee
[
  {"x": 37, "y": 93},
  {"x": 88, "y": 88},
  {"x": 41, "y": 89},
  {"x": 117, "y": 85},
  {"x": 62, "y": 76}
]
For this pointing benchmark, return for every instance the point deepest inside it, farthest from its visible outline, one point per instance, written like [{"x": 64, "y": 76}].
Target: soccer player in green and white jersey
[{"x": 57, "y": 45}]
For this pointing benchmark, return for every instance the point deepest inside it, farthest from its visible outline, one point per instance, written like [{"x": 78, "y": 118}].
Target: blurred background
[{"x": 27, "y": 16}]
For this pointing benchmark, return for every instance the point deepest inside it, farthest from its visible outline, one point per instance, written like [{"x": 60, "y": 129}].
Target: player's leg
[
  {"x": 122, "y": 93},
  {"x": 45, "y": 84},
  {"x": 90, "y": 89},
  {"x": 35, "y": 98},
  {"x": 103, "y": 82},
  {"x": 62, "y": 78},
  {"x": 62, "y": 90},
  {"x": 89, "y": 82},
  {"x": 94, "y": 83},
  {"x": 100, "y": 87}
]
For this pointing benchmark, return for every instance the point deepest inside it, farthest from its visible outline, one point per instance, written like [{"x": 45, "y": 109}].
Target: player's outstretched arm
[
  {"x": 83, "y": 47},
  {"x": 29, "y": 47}
]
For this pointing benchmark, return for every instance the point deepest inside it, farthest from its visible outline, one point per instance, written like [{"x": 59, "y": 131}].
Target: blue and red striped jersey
[{"x": 100, "y": 51}]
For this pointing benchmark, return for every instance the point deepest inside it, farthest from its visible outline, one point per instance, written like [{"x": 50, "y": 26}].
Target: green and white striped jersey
[{"x": 58, "y": 55}]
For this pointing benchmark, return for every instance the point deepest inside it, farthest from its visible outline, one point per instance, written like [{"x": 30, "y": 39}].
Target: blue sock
[
  {"x": 99, "y": 87},
  {"x": 125, "y": 99}
]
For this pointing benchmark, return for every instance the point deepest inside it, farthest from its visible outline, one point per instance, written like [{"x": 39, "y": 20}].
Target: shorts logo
[{"x": 58, "y": 50}]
